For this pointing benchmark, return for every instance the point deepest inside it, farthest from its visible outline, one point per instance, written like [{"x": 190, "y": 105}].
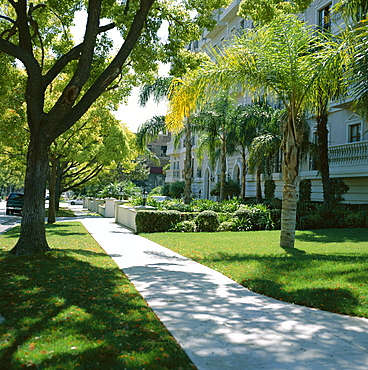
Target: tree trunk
[
  {"x": 290, "y": 167},
  {"x": 52, "y": 191},
  {"x": 58, "y": 190},
  {"x": 244, "y": 174},
  {"x": 188, "y": 171},
  {"x": 259, "y": 198},
  {"x": 323, "y": 162},
  {"x": 32, "y": 237},
  {"x": 223, "y": 170}
]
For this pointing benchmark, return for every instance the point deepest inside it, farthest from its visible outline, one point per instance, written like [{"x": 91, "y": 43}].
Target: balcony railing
[{"x": 348, "y": 154}]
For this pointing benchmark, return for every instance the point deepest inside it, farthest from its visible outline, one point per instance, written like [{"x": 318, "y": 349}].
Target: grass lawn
[
  {"x": 62, "y": 212},
  {"x": 327, "y": 270},
  {"x": 73, "y": 308}
]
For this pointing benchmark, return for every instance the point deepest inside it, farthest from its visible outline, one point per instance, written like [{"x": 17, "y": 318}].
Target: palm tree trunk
[
  {"x": 258, "y": 186},
  {"x": 244, "y": 174},
  {"x": 290, "y": 168},
  {"x": 188, "y": 172},
  {"x": 323, "y": 162},
  {"x": 223, "y": 170}
]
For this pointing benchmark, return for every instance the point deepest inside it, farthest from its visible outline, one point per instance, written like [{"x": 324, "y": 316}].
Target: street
[{"x": 7, "y": 221}]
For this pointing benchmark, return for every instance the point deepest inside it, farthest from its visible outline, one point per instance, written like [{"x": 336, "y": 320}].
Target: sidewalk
[{"x": 222, "y": 325}]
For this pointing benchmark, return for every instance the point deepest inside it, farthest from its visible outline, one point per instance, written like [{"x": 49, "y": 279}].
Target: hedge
[{"x": 156, "y": 221}]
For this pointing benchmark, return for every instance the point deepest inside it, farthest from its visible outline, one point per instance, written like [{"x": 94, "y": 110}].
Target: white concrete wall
[{"x": 126, "y": 216}]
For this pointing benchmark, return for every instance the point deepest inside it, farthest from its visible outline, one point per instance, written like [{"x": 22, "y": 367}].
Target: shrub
[
  {"x": 176, "y": 189},
  {"x": 227, "y": 226},
  {"x": 312, "y": 220},
  {"x": 232, "y": 189},
  {"x": 338, "y": 189},
  {"x": 269, "y": 189},
  {"x": 305, "y": 190},
  {"x": 242, "y": 224},
  {"x": 243, "y": 213},
  {"x": 185, "y": 227},
  {"x": 158, "y": 190},
  {"x": 156, "y": 221},
  {"x": 207, "y": 221},
  {"x": 254, "y": 218}
]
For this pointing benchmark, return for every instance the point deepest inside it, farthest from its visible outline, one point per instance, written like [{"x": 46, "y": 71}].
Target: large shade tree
[
  {"x": 38, "y": 34},
  {"x": 283, "y": 59}
]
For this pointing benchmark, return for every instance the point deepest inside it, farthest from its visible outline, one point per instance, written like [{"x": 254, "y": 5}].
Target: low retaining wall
[
  {"x": 126, "y": 216},
  {"x": 104, "y": 207}
]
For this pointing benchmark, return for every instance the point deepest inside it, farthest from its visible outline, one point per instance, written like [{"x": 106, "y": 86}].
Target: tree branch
[{"x": 111, "y": 72}]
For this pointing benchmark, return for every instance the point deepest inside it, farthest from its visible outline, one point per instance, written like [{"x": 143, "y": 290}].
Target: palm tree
[
  {"x": 281, "y": 59},
  {"x": 356, "y": 48},
  {"x": 265, "y": 147},
  {"x": 248, "y": 123},
  {"x": 160, "y": 90},
  {"x": 212, "y": 121}
]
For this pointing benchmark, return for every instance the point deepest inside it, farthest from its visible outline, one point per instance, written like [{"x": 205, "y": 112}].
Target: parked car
[
  {"x": 14, "y": 203},
  {"x": 160, "y": 198},
  {"x": 73, "y": 202}
]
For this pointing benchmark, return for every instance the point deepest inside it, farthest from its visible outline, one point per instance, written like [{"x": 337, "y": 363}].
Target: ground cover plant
[
  {"x": 72, "y": 308},
  {"x": 328, "y": 269}
]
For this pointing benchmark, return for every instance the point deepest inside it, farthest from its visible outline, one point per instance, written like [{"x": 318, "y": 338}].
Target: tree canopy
[{"x": 38, "y": 34}]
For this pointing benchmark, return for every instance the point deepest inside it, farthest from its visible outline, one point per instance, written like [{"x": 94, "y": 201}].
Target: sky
[{"x": 131, "y": 113}]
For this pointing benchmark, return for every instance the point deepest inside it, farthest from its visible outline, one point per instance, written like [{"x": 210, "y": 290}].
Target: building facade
[{"x": 348, "y": 132}]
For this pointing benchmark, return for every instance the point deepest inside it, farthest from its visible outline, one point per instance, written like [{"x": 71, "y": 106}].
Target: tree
[
  {"x": 355, "y": 35},
  {"x": 160, "y": 90},
  {"x": 213, "y": 123},
  {"x": 96, "y": 142},
  {"x": 265, "y": 146},
  {"x": 38, "y": 35},
  {"x": 281, "y": 59},
  {"x": 265, "y": 11},
  {"x": 249, "y": 122}
]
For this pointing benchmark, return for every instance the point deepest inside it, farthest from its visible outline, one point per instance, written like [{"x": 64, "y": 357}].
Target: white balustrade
[{"x": 348, "y": 154}]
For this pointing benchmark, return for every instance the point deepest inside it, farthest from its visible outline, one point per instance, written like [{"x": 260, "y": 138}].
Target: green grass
[
  {"x": 63, "y": 212},
  {"x": 327, "y": 270},
  {"x": 73, "y": 308}
]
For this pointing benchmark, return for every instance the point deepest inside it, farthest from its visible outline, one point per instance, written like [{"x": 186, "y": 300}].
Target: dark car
[{"x": 14, "y": 203}]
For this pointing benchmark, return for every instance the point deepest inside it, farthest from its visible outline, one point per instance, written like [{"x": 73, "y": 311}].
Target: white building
[{"x": 348, "y": 132}]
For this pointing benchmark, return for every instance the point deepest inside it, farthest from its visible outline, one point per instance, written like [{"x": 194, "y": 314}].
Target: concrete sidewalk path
[{"x": 222, "y": 325}]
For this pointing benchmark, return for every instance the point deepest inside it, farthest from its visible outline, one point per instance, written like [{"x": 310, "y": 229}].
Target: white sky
[{"x": 131, "y": 113}]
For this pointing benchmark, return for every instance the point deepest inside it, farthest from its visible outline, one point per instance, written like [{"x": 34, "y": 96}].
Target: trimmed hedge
[
  {"x": 207, "y": 221},
  {"x": 156, "y": 221}
]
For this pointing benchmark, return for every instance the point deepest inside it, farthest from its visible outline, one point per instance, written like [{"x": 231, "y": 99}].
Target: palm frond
[
  {"x": 158, "y": 91},
  {"x": 149, "y": 130}
]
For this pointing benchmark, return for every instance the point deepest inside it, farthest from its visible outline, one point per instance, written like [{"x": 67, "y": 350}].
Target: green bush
[
  {"x": 269, "y": 189},
  {"x": 227, "y": 226},
  {"x": 338, "y": 189},
  {"x": 311, "y": 220},
  {"x": 185, "y": 227},
  {"x": 305, "y": 190},
  {"x": 158, "y": 190},
  {"x": 156, "y": 221},
  {"x": 231, "y": 189},
  {"x": 254, "y": 218},
  {"x": 176, "y": 189},
  {"x": 207, "y": 221},
  {"x": 243, "y": 213}
]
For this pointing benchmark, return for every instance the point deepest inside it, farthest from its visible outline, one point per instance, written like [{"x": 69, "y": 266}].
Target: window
[
  {"x": 355, "y": 132},
  {"x": 324, "y": 18},
  {"x": 163, "y": 151}
]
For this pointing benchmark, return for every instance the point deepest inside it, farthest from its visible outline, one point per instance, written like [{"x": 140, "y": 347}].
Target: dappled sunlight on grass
[{"x": 72, "y": 307}]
